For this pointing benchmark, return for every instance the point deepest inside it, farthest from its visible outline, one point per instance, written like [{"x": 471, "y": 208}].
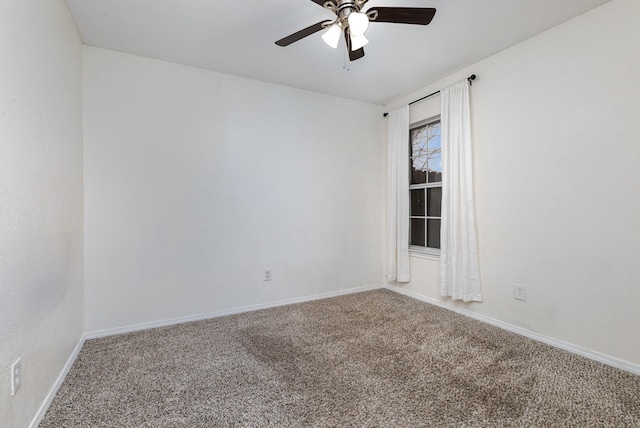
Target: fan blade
[
  {"x": 403, "y": 15},
  {"x": 302, "y": 34},
  {"x": 353, "y": 55},
  {"x": 321, "y": 2},
  {"x": 357, "y": 54}
]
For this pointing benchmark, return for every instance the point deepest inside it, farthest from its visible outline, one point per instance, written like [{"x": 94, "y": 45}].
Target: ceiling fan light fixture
[
  {"x": 358, "y": 23},
  {"x": 353, "y": 23},
  {"x": 332, "y": 35},
  {"x": 358, "y": 41}
]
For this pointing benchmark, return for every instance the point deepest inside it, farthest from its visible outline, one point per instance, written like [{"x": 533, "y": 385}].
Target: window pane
[
  {"x": 417, "y": 176},
  {"x": 434, "y": 151},
  {"x": 434, "y": 201},
  {"x": 417, "y": 151},
  {"x": 417, "y": 202},
  {"x": 433, "y": 233},
  {"x": 417, "y": 232},
  {"x": 435, "y": 176}
]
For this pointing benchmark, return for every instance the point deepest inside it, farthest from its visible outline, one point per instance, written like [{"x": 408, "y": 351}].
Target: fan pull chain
[{"x": 345, "y": 63}]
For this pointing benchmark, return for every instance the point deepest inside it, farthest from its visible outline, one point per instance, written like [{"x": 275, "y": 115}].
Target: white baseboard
[
  {"x": 232, "y": 311},
  {"x": 584, "y": 352},
  {"x": 57, "y": 384}
]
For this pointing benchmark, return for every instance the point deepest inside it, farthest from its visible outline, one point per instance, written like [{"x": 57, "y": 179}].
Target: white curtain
[
  {"x": 459, "y": 265},
  {"x": 398, "y": 196}
]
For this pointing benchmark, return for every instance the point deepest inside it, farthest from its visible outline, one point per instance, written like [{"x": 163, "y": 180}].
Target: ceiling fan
[{"x": 354, "y": 23}]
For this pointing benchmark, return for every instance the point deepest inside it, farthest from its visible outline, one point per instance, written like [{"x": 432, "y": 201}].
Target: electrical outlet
[
  {"x": 520, "y": 292},
  {"x": 16, "y": 376},
  {"x": 267, "y": 275}
]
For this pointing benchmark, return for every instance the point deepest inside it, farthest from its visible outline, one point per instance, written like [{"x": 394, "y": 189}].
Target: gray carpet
[{"x": 374, "y": 359}]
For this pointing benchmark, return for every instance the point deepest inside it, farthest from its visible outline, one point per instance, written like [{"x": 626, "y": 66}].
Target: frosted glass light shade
[
  {"x": 332, "y": 35},
  {"x": 358, "y": 41},
  {"x": 358, "y": 23}
]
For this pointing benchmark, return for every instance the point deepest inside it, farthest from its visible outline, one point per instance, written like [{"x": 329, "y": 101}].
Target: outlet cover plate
[{"x": 520, "y": 292}]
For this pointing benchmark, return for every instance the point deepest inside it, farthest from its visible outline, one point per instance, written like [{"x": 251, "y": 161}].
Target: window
[{"x": 425, "y": 186}]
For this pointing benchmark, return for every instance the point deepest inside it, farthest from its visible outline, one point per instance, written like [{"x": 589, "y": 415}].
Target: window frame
[{"x": 417, "y": 250}]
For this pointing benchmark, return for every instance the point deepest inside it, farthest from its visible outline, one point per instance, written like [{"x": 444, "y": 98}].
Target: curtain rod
[{"x": 470, "y": 79}]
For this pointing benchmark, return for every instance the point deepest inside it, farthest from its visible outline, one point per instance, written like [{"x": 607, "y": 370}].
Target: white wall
[
  {"x": 557, "y": 168},
  {"x": 196, "y": 182},
  {"x": 40, "y": 199}
]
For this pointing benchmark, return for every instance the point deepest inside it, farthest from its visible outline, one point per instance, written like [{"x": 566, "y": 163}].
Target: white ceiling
[{"x": 237, "y": 37}]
